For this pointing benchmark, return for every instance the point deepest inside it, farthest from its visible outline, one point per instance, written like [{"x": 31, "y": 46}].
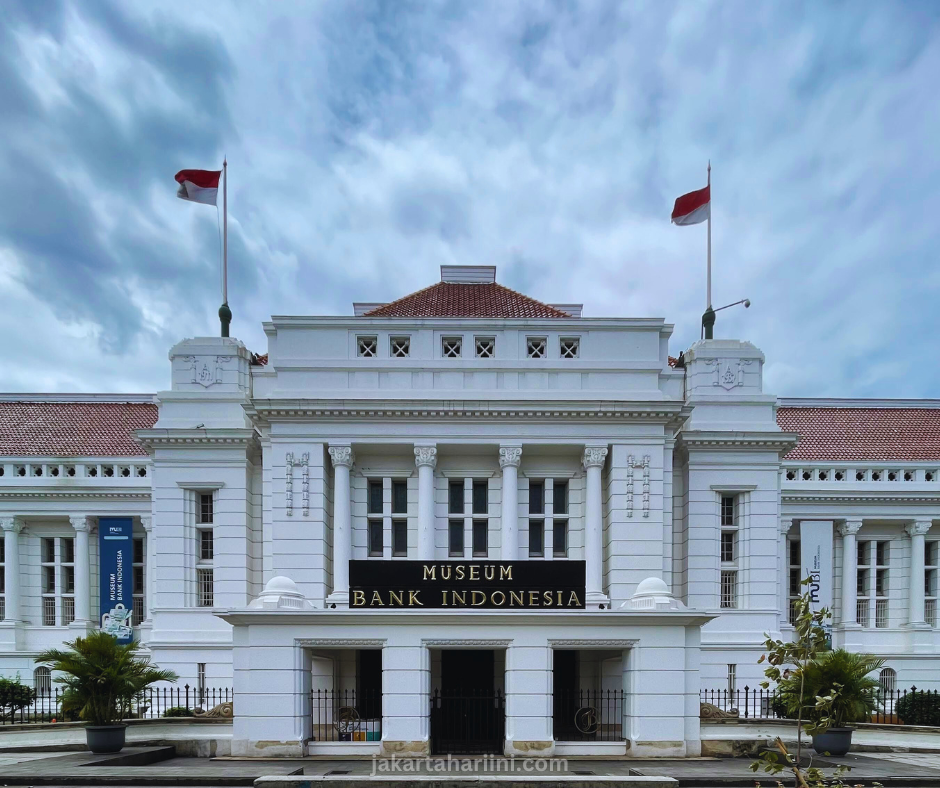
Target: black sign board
[{"x": 502, "y": 585}]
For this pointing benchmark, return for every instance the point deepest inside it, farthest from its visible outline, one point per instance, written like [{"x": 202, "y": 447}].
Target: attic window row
[{"x": 452, "y": 347}]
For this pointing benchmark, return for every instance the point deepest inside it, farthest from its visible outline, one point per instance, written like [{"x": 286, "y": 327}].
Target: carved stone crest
[
  {"x": 727, "y": 373},
  {"x": 206, "y": 370}
]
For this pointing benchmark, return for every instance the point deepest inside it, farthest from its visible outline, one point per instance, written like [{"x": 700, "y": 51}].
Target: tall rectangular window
[
  {"x": 536, "y": 519},
  {"x": 794, "y": 570},
  {"x": 872, "y": 584},
  {"x": 560, "y": 518},
  {"x": 468, "y": 510},
  {"x": 400, "y": 525},
  {"x": 376, "y": 525},
  {"x": 201, "y": 681},
  {"x": 387, "y": 517},
  {"x": 205, "y": 549},
  {"x": 3, "y": 580},
  {"x": 57, "y": 572},
  {"x": 138, "y": 587},
  {"x": 729, "y": 551},
  {"x": 930, "y": 582},
  {"x": 732, "y": 679}
]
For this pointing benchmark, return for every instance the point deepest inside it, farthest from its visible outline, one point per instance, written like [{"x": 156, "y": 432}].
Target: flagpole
[
  {"x": 225, "y": 314},
  {"x": 708, "y": 319}
]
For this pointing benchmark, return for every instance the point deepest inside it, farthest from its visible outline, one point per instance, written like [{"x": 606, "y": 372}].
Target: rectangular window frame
[
  {"x": 872, "y": 583},
  {"x": 931, "y": 568},
  {"x": 794, "y": 579},
  {"x": 399, "y": 346},
  {"x": 569, "y": 347},
  {"x": 729, "y": 549},
  {"x": 367, "y": 346},
  {"x": 387, "y": 513},
  {"x": 452, "y": 346},
  {"x": 204, "y": 576},
  {"x": 57, "y": 580},
  {"x": 468, "y": 502},
  {"x": 484, "y": 347}
]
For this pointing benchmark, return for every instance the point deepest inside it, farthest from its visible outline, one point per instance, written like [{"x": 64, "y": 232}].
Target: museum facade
[{"x": 467, "y": 521}]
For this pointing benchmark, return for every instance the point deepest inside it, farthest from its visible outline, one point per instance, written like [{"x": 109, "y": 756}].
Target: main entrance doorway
[{"x": 468, "y": 713}]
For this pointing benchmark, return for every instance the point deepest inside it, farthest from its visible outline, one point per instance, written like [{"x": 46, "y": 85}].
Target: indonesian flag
[
  {"x": 693, "y": 208},
  {"x": 199, "y": 185}
]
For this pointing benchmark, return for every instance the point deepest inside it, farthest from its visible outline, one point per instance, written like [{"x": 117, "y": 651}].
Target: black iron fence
[
  {"x": 468, "y": 722},
  {"x": 588, "y": 715},
  {"x": 153, "y": 703},
  {"x": 893, "y": 706},
  {"x": 345, "y": 715}
]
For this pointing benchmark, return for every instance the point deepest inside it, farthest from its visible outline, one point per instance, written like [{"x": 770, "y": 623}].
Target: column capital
[
  {"x": 14, "y": 524},
  {"x": 918, "y": 527},
  {"x": 786, "y": 523},
  {"x": 146, "y": 522},
  {"x": 342, "y": 456},
  {"x": 426, "y": 455},
  {"x": 510, "y": 456},
  {"x": 79, "y": 522},
  {"x": 850, "y": 527},
  {"x": 594, "y": 456}
]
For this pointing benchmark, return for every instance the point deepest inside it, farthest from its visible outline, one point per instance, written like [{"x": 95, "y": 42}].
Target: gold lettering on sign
[
  {"x": 445, "y": 572},
  {"x": 489, "y": 572},
  {"x": 533, "y": 599},
  {"x": 474, "y": 597},
  {"x": 514, "y": 597},
  {"x": 573, "y": 600},
  {"x": 429, "y": 572},
  {"x": 396, "y": 596},
  {"x": 458, "y": 572},
  {"x": 413, "y": 599},
  {"x": 474, "y": 572},
  {"x": 502, "y": 598},
  {"x": 505, "y": 572},
  {"x": 547, "y": 597},
  {"x": 461, "y": 595},
  {"x": 359, "y": 598},
  {"x": 376, "y": 599}
]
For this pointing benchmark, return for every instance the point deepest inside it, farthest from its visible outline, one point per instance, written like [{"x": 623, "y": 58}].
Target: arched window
[
  {"x": 42, "y": 681},
  {"x": 888, "y": 678}
]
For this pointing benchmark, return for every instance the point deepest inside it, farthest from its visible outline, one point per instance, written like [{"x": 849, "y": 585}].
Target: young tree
[{"x": 14, "y": 696}]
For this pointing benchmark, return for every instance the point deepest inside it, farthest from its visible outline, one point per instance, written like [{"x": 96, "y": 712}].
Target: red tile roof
[
  {"x": 73, "y": 429},
  {"x": 451, "y": 299},
  {"x": 863, "y": 434}
]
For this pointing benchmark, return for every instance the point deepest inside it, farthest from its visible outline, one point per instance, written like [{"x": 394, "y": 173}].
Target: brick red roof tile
[
  {"x": 451, "y": 299},
  {"x": 73, "y": 429},
  {"x": 863, "y": 434}
]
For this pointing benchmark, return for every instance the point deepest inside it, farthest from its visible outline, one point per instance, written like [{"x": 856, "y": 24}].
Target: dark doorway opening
[
  {"x": 369, "y": 683},
  {"x": 565, "y": 703},
  {"x": 467, "y": 713}
]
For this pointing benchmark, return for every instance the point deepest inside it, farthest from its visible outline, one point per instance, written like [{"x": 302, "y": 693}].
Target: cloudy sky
[{"x": 370, "y": 142}]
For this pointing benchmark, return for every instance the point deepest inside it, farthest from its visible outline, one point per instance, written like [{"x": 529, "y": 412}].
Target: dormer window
[
  {"x": 368, "y": 347},
  {"x": 536, "y": 347},
  {"x": 569, "y": 347},
  {"x": 451, "y": 347},
  {"x": 399, "y": 347}
]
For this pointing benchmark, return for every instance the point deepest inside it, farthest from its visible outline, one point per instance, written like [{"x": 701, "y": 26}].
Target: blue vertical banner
[{"x": 116, "y": 578}]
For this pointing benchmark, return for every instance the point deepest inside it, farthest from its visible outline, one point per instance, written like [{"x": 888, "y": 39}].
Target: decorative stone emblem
[
  {"x": 426, "y": 455},
  {"x": 206, "y": 371},
  {"x": 510, "y": 456},
  {"x": 304, "y": 463},
  {"x": 728, "y": 374},
  {"x": 594, "y": 456},
  {"x": 342, "y": 455},
  {"x": 646, "y": 485}
]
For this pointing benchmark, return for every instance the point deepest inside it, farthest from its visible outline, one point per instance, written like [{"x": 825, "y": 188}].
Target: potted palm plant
[
  {"x": 834, "y": 690},
  {"x": 100, "y": 678}
]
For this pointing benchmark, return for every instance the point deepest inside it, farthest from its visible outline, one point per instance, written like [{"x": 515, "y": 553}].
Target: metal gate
[{"x": 468, "y": 722}]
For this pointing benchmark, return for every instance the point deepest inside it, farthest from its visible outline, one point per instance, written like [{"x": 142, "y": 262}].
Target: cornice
[
  {"x": 478, "y": 642},
  {"x": 340, "y": 642},
  {"x": 593, "y": 642},
  {"x": 848, "y": 497},
  {"x": 759, "y": 441},
  {"x": 444, "y": 410},
  {"x": 72, "y": 494},
  {"x": 151, "y": 439}
]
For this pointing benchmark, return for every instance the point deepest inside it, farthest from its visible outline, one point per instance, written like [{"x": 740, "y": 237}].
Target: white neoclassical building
[{"x": 468, "y": 521}]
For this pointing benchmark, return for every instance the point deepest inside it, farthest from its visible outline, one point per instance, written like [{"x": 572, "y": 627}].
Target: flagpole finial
[
  {"x": 708, "y": 322},
  {"x": 225, "y": 317}
]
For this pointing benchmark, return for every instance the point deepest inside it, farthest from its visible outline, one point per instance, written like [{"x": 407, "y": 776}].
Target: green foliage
[
  {"x": 178, "y": 711},
  {"x": 14, "y": 696},
  {"x": 101, "y": 677},
  {"x": 841, "y": 678},
  {"x": 919, "y": 708}
]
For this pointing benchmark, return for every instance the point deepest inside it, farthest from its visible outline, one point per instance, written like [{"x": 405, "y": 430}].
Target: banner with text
[
  {"x": 116, "y": 551},
  {"x": 503, "y": 585},
  {"x": 816, "y": 558}
]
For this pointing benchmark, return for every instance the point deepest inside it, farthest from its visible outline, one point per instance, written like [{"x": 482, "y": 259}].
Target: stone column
[
  {"x": 150, "y": 556},
  {"x": 593, "y": 460},
  {"x": 343, "y": 459},
  {"x": 83, "y": 615},
  {"x": 848, "y": 529},
  {"x": 426, "y": 460},
  {"x": 509, "y": 459},
  {"x": 917, "y": 530},
  {"x": 11, "y": 545}
]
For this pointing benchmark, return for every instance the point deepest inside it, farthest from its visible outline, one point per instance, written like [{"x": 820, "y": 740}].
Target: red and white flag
[
  {"x": 693, "y": 208},
  {"x": 199, "y": 185}
]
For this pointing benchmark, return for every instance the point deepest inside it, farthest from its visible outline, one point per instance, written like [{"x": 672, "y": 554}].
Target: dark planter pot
[
  {"x": 105, "y": 738},
  {"x": 835, "y": 742}
]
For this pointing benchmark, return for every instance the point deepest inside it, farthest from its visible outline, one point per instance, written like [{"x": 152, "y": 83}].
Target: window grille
[
  {"x": 368, "y": 347},
  {"x": 68, "y": 610},
  {"x": 399, "y": 347},
  {"x": 201, "y": 680},
  {"x": 569, "y": 347},
  {"x": 485, "y": 347},
  {"x": 732, "y": 679},
  {"x": 871, "y": 584},
  {"x": 451, "y": 347},
  {"x": 58, "y": 580},
  {"x": 138, "y": 588},
  {"x": 42, "y": 681},
  {"x": 536, "y": 347},
  {"x": 3, "y": 579},
  {"x": 48, "y": 611},
  {"x": 205, "y": 587},
  {"x": 729, "y": 591},
  {"x": 888, "y": 679},
  {"x": 795, "y": 569},
  {"x": 861, "y": 612}
]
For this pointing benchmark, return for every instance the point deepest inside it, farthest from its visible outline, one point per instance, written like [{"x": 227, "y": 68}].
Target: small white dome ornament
[
  {"x": 652, "y": 594},
  {"x": 280, "y": 593}
]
